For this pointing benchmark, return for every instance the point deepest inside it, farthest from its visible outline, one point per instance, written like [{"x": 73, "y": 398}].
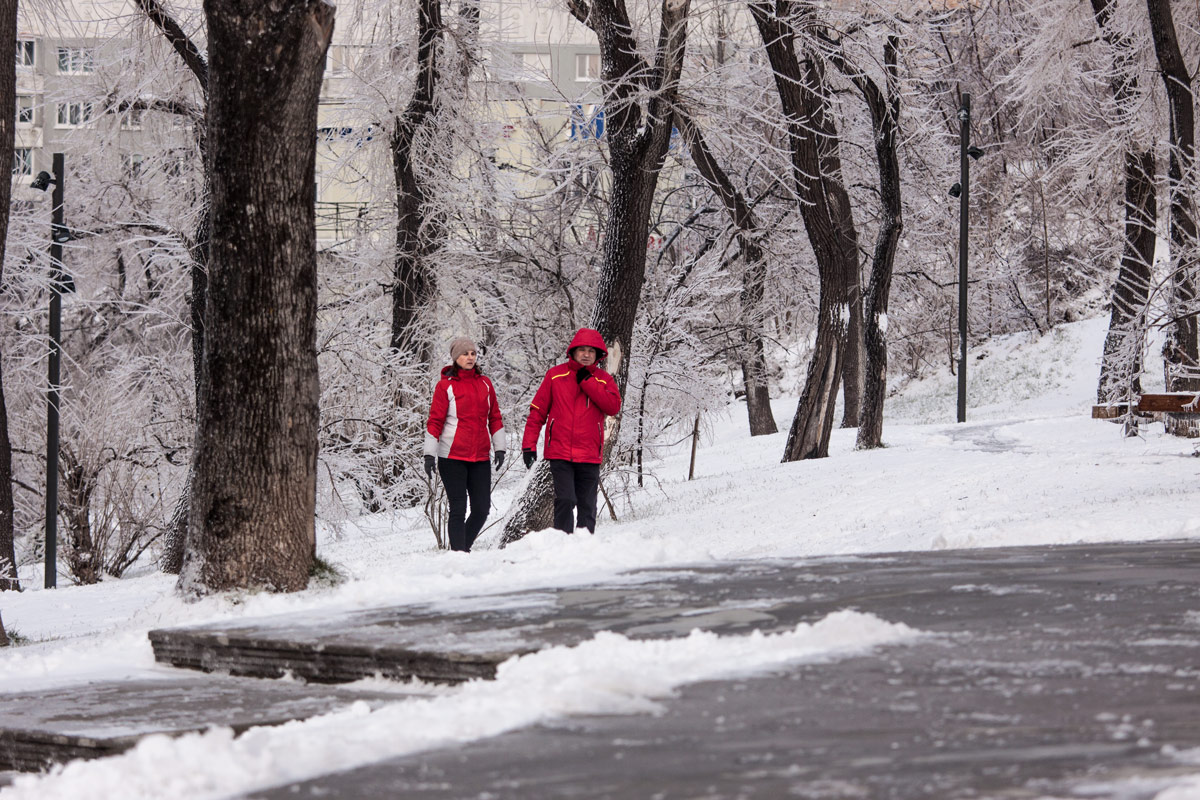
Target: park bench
[{"x": 1149, "y": 404}]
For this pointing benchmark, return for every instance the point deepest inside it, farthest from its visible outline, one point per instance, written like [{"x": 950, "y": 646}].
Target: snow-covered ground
[{"x": 1029, "y": 467}]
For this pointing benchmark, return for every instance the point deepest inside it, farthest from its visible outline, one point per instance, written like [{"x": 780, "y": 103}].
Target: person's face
[
  {"x": 466, "y": 360},
  {"x": 585, "y": 355}
]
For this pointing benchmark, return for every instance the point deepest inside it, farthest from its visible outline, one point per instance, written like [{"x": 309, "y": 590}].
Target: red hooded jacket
[
  {"x": 464, "y": 418},
  {"x": 573, "y": 412}
]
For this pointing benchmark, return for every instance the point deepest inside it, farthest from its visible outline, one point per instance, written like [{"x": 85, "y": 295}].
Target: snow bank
[{"x": 609, "y": 674}]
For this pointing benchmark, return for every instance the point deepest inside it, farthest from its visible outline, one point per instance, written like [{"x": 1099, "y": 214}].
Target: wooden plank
[
  {"x": 1110, "y": 411},
  {"x": 1170, "y": 402}
]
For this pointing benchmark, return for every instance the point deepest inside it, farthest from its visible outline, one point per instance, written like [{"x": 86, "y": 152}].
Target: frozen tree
[
  {"x": 1120, "y": 370},
  {"x": 258, "y": 417},
  {"x": 1181, "y": 351},
  {"x": 639, "y": 102},
  {"x": 824, "y": 205},
  {"x": 8, "y": 90}
]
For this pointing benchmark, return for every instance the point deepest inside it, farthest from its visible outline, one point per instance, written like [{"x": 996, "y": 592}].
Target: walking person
[
  {"x": 573, "y": 402},
  {"x": 464, "y": 427}
]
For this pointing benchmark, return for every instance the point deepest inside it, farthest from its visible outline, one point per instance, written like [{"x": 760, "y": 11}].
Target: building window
[
  {"x": 132, "y": 118},
  {"x": 75, "y": 60},
  {"x": 25, "y": 53},
  {"x": 73, "y": 115},
  {"x": 536, "y": 66},
  {"x": 24, "y": 109},
  {"x": 132, "y": 164},
  {"x": 587, "y": 67},
  {"x": 22, "y": 161},
  {"x": 339, "y": 60}
]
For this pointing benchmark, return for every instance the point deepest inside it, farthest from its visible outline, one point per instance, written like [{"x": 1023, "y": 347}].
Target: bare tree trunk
[
  {"x": 3, "y": 635},
  {"x": 1121, "y": 367},
  {"x": 171, "y": 560},
  {"x": 637, "y": 142},
  {"x": 825, "y": 208},
  {"x": 1181, "y": 353},
  {"x": 885, "y": 123},
  {"x": 753, "y": 351},
  {"x": 254, "y": 490},
  {"x": 8, "y": 100},
  {"x": 414, "y": 283},
  {"x": 854, "y": 363}
]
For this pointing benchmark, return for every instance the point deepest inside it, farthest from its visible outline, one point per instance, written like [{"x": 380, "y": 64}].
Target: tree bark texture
[
  {"x": 8, "y": 99},
  {"x": 3, "y": 635},
  {"x": 171, "y": 560},
  {"x": 1121, "y": 365},
  {"x": 885, "y": 124},
  {"x": 414, "y": 286},
  {"x": 825, "y": 208},
  {"x": 752, "y": 351},
  {"x": 254, "y": 482},
  {"x": 637, "y": 143},
  {"x": 1181, "y": 353}
]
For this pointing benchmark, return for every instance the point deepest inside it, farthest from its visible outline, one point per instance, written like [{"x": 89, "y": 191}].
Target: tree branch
[{"x": 187, "y": 50}]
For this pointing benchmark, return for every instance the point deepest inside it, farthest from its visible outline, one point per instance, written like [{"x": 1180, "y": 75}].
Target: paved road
[{"x": 1058, "y": 672}]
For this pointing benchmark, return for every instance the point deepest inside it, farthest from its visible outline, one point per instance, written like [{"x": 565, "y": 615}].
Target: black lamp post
[
  {"x": 962, "y": 190},
  {"x": 59, "y": 283}
]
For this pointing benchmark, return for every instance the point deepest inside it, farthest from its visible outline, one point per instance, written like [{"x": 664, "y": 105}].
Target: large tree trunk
[
  {"x": 1121, "y": 366},
  {"x": 8, "y": 100},
  {"x": 825, "y": 208},
  {"x": 637, "y": 143},
  {"x": 885, "y": 124},
  {"x": 753, "y": 351},
  {"x": 171, "y": 560},
  {"x": 254, "y": 483},
  {"x": 1180, "y": 352},
  {"x": 413, "y": 289},
  {"x": 3, "y": 635}
]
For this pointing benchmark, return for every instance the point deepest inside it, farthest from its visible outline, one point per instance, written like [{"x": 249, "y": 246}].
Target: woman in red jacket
[
  {"x": 572, "y": 403},
  {"x": 464, "y": 426}
]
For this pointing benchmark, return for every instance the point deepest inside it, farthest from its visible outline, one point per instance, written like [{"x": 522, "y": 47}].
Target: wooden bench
[{"x": 1163, "y": 403}]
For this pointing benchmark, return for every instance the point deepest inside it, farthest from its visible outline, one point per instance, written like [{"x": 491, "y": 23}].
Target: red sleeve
[
  {"x": 538, "y": 409},
  {"x": 495, "y": 423},
  {"x": 602, "y": 390},
  {"x": 437, "y": 410}
]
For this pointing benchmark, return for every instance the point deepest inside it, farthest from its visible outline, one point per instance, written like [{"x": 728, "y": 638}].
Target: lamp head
[
  {"x": 956, "y": 190},
  {"x": 42, "y": 181}
]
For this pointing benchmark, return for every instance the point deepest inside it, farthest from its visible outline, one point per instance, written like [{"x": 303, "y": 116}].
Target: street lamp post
[
  {"x": 964, "y": 169},
  {"x": 58, "y": 284},
  {"x": 962, "y": 190}
]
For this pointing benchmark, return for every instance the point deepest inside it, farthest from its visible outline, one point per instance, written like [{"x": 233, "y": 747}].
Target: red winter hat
[{"x": 586, "y": 337}]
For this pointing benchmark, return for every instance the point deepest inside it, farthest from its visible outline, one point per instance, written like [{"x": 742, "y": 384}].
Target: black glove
[
  {"x": 430, "y": 465},
  {"x": 583, "y": 374},
  {"x": 530, "y": 456},
  {"x": 499, "y": 458}
]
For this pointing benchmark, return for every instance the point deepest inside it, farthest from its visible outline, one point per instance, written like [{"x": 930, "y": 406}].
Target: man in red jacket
[{"x": 572, "y": 403}]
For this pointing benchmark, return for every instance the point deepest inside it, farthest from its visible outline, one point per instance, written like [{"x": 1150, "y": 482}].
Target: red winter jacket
[
  {"x": 573, "y": 412},
  {"x": 464, "y": 419}
]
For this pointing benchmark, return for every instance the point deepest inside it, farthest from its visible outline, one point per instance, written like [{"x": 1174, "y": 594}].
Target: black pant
[
  {"x": 463, "y": 478},
  {"x": 575, "y": 484}
]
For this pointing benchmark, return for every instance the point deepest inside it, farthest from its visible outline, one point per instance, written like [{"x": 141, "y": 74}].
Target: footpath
[{"x": 1054, "y": 672}]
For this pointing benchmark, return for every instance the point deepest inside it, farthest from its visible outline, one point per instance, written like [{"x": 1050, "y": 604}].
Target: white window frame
[
  {"x": 22, "y": 161},
  {"x": 77, "y": 60},
  {"x": 25, "y": 110},
  {"x": 536, "y": 66},
  {"x": 583, "y": 63},
  {"x": 132, "y": 164},
  {"x": 26, "y": 53},
  {"x": 81, "y": 120},
  {"x": 131, "y": 120}
]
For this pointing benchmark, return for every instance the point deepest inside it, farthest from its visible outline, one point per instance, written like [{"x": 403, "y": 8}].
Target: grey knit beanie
[{"x": 459, "y": 346}]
